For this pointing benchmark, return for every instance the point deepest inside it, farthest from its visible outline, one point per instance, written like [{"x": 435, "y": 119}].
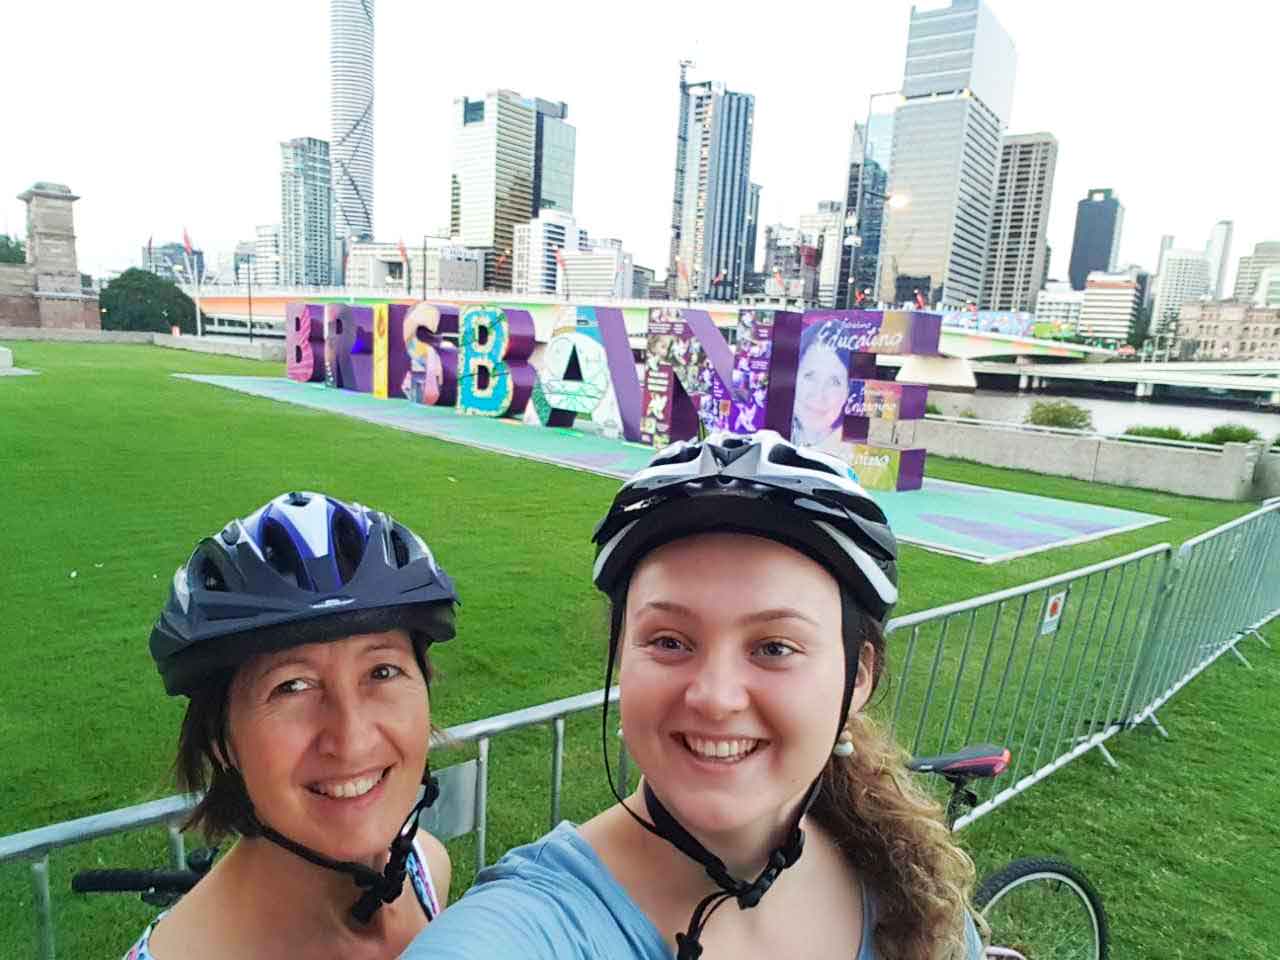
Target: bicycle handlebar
[{"x": 134, "y": 881}]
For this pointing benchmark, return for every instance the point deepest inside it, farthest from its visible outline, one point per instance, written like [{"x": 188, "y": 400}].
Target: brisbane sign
[{"x": 810, "y": 376}]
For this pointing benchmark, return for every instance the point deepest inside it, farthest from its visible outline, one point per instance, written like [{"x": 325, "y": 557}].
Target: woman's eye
[
  {"x": 775, "y": 649},
  {"x": 386, "y": 671},
  {"x": 296, "y": 685},
  {"x": 668, "y": 642}
]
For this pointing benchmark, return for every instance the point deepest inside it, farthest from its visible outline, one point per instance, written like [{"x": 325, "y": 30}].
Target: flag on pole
[
  {"x": 919, "y": 300},
  {"x": 560, "y": 258},
  {"x": 186, "y": 242},
  {"x": 719, "y": 277},
  {"x": 859, "y": 297},
  {"x": 404, "y": 255},
  {"x": 149, "y": 239},
  {"x": 681, "y": 270},
  {"x": 777, "y": 276}
]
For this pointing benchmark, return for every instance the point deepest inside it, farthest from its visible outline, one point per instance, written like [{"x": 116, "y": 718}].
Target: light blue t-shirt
[{"x": 556, "y": 900}]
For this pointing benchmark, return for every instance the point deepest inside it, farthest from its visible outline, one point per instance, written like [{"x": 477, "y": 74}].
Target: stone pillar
[
  {"x": 1023, "y": 381},
  {"x": 51, "y": 252}
]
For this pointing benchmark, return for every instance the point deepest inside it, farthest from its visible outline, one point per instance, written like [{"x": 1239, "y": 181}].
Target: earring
[{"x": 844, "y": 744}]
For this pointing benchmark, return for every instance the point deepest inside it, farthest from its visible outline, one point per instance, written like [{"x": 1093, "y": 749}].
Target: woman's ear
[{"x": 865, "y": 679}]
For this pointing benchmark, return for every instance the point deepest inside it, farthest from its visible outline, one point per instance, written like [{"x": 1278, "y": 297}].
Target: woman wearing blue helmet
[
  {"x": 300, "y": 635},
  {"x": 748, "y": 580}
]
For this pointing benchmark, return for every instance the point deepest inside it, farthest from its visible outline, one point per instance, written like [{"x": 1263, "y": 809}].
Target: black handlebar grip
[{"x": 133, "y": 881}]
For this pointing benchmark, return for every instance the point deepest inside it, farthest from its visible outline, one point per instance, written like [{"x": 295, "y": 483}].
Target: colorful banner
[{"x": 1016, "y": 323}]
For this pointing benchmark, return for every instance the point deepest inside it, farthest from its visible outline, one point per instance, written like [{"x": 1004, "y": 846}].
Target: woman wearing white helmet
[{"x": 748, "y": 581}]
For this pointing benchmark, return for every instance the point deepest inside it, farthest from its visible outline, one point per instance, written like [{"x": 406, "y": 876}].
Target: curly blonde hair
[{"x": 894, "y": 835}]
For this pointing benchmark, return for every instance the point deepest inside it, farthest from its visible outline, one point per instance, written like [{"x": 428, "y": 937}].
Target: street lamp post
[{"x": 250, "y": 275}]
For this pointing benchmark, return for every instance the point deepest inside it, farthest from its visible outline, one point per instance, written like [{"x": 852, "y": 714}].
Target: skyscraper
[
  {"x": 1166, "y": 242},
  {"x": 1018, "y": 247},
  {"x": 1218, "y": 252},
  {"x": 497, "y": 180},
  {"x": 1111, "y": 304},
  {"x": 1251, "y": 267},
  {"x": 714, "y": 165},
  {"x": 306, "y": 213},
  {"x": 677, "y": 193},
  {"x": 351, "y": 115},
  {"x": 824, "y": 230},
  {"x": 751, "y": 231},
  {"x": 1184, "y": 277},
  {"x": 849, "y": 243},
  {"x": 877, "y": 152},
  {"x": 555, "y": 144},
  {"x": 1099, "y": 217},
  {"x": 958, "y": 91}
]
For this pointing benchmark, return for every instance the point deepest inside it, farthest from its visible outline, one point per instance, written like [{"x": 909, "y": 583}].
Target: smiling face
[
  {"x": 732, "y": 674},
  {"x": 331, "y": 739},
  {"x": 822, "y": 386}
]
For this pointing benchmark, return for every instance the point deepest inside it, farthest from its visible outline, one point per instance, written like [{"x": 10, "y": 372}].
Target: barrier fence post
[
  {"x": 177, "y": 849},
  {"x": 557, "y": 767},
  {"x": 44, "y": 907},
  {"x": 482, "y": 800}
]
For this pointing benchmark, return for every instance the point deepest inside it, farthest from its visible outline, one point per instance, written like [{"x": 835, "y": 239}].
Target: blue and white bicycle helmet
[
  {"x": 303, "y": 568},
  {"x": 758, "y": 484}
]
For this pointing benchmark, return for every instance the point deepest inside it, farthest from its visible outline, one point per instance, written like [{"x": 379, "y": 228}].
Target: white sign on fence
[{"x": 1053, "y": 613}]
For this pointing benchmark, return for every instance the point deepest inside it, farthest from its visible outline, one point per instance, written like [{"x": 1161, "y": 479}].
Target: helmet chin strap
[
  {"x": 664, "y": 825},
  {"x": 379, "y": 888}
]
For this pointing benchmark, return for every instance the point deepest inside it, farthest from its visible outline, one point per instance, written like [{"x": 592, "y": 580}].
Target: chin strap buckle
[{"x": 687, "y": 948}]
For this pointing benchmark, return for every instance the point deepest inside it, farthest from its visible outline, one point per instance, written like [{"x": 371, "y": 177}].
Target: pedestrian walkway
[{"x": 978, "y": 523}]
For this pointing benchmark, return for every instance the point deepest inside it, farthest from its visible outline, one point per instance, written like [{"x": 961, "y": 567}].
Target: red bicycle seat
[{"x": 979, "y": 760}]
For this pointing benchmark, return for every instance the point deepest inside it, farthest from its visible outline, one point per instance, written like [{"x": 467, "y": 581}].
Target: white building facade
[
  {"x": 1110, "y": 306},
  {"x": 306, "y": 213},
  {"x": 1218, "y": 252},
  {"x": 1060, "y": 306},
  {"x": 958, "y": 93},
  {"x": 441, "y": 265},
  {"x": 1018, "y": 247},
  {"x": 534, "y": 250},
  {"x": 824, "y": 230},
  {"x": 1184, "y": 277},
  {"x": 602, "y": 270},
  {"x": 1251, "y": 267}
]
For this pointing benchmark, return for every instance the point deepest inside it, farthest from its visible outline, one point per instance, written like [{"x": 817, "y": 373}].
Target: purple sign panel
[{"x": 687, "y": 360}]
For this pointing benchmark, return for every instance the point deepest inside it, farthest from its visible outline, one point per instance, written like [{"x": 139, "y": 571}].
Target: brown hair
[
  {"x": 893, "y": 833},
  {"x": 202, "y": 765}
]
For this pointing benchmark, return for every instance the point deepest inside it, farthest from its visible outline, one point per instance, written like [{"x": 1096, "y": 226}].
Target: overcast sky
[{"x": 164, "y": 115}]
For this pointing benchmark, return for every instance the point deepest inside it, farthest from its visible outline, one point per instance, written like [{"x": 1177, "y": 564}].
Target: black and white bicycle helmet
[
  {"x": 765, "y": 486},
  {"x": 759, "y": 484},
  {"x": 305, "y": 568}
]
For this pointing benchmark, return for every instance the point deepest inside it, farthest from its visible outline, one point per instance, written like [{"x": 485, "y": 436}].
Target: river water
[{"x": 1109, "y": 416}]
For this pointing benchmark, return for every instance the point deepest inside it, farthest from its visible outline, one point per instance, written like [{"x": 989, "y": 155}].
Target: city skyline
[{"x": 209, "y": 142}]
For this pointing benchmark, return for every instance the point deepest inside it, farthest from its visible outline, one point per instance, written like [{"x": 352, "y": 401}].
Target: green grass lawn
[{"x": 112, "y": 469}]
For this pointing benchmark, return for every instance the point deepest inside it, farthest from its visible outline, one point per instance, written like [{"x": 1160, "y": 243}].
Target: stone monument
[{"x": 48, "y": 290}]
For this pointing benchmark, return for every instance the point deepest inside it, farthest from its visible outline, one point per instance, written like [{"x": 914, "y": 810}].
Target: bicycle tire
[{"x": 996, "y": 887}]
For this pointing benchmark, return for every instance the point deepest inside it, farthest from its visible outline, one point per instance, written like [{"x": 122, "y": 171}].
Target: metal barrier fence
[
  {"x": 464, "y": 797},
  {"x": 1043, "y": 669},
  {"x": 1223, "y": 586},
  {"x": 1052, "y": 669}
]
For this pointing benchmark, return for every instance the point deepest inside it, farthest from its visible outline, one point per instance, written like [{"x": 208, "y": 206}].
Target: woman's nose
[
  {"x": 718, "y": 689},
  {"x": 347, "y": 725}
]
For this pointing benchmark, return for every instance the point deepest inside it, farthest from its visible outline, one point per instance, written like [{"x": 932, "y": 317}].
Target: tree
[
  {"x": 1059, "y": 413},
  {"x": 12, "y": 250},
  {"x": 139, "y": 300},
  {"x": 1138, "y": 330}
]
